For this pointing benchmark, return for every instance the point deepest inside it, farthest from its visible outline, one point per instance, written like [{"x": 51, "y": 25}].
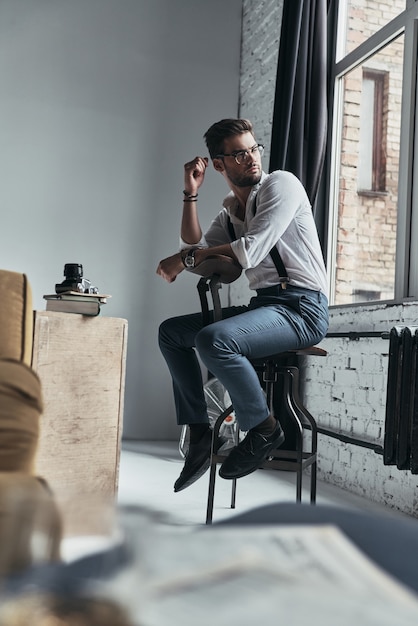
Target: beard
[{"x": 246, "y": 179}]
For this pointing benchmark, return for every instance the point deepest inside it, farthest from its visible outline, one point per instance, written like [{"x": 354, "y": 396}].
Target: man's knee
[
  {"x": 212, "y": 339},
  {"x": 165, "y": 332}
]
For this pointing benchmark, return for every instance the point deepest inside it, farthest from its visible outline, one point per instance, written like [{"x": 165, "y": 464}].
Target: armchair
[
  {"x": 20, "y": 387},
  {"x": 27, "y": 507}
]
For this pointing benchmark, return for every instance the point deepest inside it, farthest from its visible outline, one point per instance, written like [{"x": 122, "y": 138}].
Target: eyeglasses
[{"x": 241, "y": 156}]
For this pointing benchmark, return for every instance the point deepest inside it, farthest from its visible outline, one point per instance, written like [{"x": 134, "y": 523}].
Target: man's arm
[
  {"x": 171, "y": 267},
  {"x": 191, "y": 232},
  {"x": 225, "y": 249},
  {"x": 194, "y": 175}
]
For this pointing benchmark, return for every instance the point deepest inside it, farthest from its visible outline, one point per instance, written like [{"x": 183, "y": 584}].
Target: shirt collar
[{"x": 230, "y": 202}]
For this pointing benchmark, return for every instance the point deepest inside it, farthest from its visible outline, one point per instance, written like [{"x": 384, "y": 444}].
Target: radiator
[{"x": 401, "y": 418}]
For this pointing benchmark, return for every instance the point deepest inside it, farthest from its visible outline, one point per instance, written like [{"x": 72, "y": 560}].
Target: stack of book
[{"x": 75, "y": 302}]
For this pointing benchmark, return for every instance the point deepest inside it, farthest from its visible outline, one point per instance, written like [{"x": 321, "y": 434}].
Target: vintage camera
[{"x": 74, "y": 280}]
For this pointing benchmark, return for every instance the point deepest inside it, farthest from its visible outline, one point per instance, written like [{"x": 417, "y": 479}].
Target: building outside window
[{"x": 370, "y": 196}]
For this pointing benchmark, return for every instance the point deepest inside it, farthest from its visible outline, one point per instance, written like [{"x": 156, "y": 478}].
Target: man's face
[{"x": 248, "y": 172}]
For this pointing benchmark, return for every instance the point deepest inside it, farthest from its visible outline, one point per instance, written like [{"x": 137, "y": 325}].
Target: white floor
[
  {"x": 147, "y": 474},
  {"x": 148, "y": 471}
]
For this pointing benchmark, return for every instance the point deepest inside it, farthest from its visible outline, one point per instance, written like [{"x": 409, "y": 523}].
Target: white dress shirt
[{"x": 278, "y": 212}]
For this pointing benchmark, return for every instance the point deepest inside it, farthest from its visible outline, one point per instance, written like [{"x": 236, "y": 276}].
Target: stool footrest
[{"x": 285, "y": 459}]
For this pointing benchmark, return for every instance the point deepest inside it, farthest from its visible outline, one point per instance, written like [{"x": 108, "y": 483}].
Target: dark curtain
[
  {"x": 299, "y": 130},
  {"x": 300, "y": 115}
]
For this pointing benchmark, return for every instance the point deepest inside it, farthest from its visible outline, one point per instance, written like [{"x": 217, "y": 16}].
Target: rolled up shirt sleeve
[{"x": 278, "y": 201}]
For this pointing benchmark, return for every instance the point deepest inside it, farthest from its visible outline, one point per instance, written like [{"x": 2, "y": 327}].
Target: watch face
[{"x": 189, "y": 260}]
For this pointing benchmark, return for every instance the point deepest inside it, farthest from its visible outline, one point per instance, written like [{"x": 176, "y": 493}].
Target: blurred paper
[{"x": 284, "y": 574}]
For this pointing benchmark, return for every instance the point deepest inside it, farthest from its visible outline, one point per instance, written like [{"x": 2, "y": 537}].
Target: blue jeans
[{"x": 295, "y": 318}]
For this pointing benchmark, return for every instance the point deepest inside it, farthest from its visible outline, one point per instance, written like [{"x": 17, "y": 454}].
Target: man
[{"x": 263, "y": 215}]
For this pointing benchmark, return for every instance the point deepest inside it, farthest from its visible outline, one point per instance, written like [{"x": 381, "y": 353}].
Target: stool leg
[
  {"x": 299, "y": 484},
  {"x": 314, "y": 466},
  {"x": 234, "y": 482},
  {"x": 213, "y": 461},
  {"x": 211, "y": 494},
  {"x": 270, "y": 377},
  {"x": 293, "y": 374},
  {"x": 233, "y": 493},
  {"x": 297, "y": 403},
  {"x": 289, "y": 387},
  {"x": 313, "y": 482}
]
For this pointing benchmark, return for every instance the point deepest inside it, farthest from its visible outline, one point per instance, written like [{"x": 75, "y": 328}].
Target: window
[
  {"x": 372, "y": 175},
  {"x": 360, "y": 19}
]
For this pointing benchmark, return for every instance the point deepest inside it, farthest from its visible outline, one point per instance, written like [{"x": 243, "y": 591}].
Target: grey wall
[{"x": 101, "y": 103}]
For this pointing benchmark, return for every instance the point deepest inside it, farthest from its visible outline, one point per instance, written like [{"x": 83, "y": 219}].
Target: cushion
[
  {"x": 16, "y": 317},
  {"x": 20, "y": 411}
]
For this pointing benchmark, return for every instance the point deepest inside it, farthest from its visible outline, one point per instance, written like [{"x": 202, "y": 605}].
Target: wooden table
[{"x": 81, "y": 363}]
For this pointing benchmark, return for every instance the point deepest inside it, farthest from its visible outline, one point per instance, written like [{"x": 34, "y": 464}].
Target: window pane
[
  {"x": 368, "y": 178},
  {"x": 363, "y": 18}
]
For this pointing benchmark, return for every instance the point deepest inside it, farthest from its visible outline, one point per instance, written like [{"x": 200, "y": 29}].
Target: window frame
[{"x": 406, "y": 261}]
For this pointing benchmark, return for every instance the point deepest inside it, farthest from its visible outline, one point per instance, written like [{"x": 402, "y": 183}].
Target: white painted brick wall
[{"x": 346, "y": 390}]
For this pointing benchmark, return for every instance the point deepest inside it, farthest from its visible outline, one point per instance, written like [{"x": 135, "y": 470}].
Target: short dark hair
[{"x": 220, "y": 131}]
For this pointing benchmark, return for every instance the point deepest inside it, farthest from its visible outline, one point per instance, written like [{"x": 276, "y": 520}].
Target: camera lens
[{"x": 73, "y": 271}]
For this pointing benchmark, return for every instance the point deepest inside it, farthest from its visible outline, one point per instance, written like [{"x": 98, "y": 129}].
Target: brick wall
[
  {"x": 260, "y": 47},
  {"x": 346, "y": 390}
]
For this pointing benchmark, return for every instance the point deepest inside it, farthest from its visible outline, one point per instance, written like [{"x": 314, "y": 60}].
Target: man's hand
[
  {"x": 194, "y": 174},
  {"x": 170, "y": 267}
]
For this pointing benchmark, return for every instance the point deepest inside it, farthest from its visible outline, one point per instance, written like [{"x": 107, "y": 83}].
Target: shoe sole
[
  {"x": 198, "y": 474},
  {"x": 278, "y": 443}
]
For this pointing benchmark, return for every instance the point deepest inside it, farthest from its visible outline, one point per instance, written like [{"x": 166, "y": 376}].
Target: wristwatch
[{"x": 188, "y": 260}]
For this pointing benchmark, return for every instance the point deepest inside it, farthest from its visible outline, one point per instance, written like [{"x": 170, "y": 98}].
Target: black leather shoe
[
  {"x": 251, "y": 453},
  {"x": 196, "y": 463}
]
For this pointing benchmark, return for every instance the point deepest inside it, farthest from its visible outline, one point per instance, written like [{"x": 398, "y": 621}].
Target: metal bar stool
[
  {"x": 305, "y": 454},
  {"x": 215, "y": 271}
]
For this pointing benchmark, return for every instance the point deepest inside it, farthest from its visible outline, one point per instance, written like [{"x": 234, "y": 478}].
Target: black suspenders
[
  {"x": 274, "y": 253},
  {"x": 231, "y": 230}
]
